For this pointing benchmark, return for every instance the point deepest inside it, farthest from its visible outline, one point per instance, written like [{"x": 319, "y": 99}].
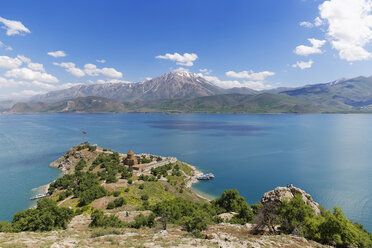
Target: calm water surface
[{"x": 330, "y": 156}]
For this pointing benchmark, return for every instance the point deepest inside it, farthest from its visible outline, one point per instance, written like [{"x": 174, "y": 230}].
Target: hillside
[
  {"x": 355, "y": 92},
  {"x": 228, "y": 103},
  {"x": 236, "y": 103},
  {"x": 77, "y": 105},
  {"x": 177, "y": 84}
]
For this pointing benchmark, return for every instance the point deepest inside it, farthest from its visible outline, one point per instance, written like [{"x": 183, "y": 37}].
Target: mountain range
[{"x": 182, "y": 91}]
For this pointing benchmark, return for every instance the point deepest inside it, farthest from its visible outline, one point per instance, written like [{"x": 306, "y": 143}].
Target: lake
[{"x": 329, "y": 156}]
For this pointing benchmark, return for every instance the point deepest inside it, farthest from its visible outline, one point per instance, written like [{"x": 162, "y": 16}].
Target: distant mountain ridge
[
  {"x": 178, "y": 84},
  {"x": 224, "y": 103},
  {"x": 182, "y": 91}
]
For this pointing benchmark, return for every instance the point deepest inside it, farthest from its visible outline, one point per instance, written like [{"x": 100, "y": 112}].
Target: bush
[
  {"x": 116, "y": 193},
  {"x": 231, "y": 201},
  {"x": 297, "y": 217},
  {"x": 183, "y": 212},
  {"x": 99, "y": 219},
  {"x": 144, "y": 197},
  {"x": 142, "y": 221},
  {"x": 45, "y": 217},
  {"x": 116, "y": 203}
]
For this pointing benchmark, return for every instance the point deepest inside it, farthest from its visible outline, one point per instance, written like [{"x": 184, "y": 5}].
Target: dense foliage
[
  {"x": 99, "y": 219},
  {"x": 45, "y": 217},
  {"x": 296, "y": 217},
  {"x": 231, "y": 201},
  {"x": 118, "y": 202}
]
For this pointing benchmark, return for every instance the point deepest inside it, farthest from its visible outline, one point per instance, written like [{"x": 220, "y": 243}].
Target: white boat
[
  {"x": 208, "y": 176},
  {"x": 38, "y": 196}
]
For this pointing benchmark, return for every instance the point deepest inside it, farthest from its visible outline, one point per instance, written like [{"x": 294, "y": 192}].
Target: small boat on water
[
  {"x": 208, "y": 176},
  {"x": 38, "y": 196}
]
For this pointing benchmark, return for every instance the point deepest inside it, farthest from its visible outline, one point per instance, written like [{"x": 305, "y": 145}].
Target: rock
[
  {"x": 280, "y": 194},
  {"x": 227, "y": 216}
]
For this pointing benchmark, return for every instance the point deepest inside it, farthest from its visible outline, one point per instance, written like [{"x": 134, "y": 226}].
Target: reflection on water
[
  {"x": 326, "y": 155},
  {"x": 220, "y": 128}
]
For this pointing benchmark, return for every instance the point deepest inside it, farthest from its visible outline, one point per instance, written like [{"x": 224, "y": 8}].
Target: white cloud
[
  {"x": 182, "y": 69},
  {"x": 303, "y": 64},
  {"x": 318, "y": 22},
  {"x": 28, "y": 74},
  {"x": 256, "y": 76},
  {"x": 8, "y": 48},
  {"x": 102, "y": 61},
  {"x": 9, "y": 63},
  {"x": 187, "y": 59},
  {"x": 27, "y": 93},
  {"x": 92, "y": 70},
  {"x": 307, "y": 50},
  {"x": 226, "y": 84},
  {"x": 111, "y": 72},
  {"x": 13, "y": 27},
  {"x": 110, "y": 81},
  {"x": 257, "y": 85},
  {"x": 24, "y": 59},
  {"x": 57, "y": 54},
  {"x": 71, "y": 68},
  {"x": 205, "y": 71},
  {"x": 12, "y": 83},
  {"x": 349, "y": 27},
  {"x": 306, "y": 24},
  {"x": 36, "y": 67}
]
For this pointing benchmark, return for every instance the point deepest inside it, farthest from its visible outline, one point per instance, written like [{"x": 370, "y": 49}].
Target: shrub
[
  {"x": 45, "y": 217},
  {"x": 142, "y": 221},
  {"x": 144, "y": 197},
  {"x": 116, "y": 203},
  {"x": 99, "y": 219}
]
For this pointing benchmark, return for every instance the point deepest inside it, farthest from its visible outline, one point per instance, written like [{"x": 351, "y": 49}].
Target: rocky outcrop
[{"x": 280, "y": 194}]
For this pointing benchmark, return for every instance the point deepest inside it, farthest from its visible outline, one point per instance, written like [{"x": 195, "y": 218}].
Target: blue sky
[{"x": 259, "y": 44}]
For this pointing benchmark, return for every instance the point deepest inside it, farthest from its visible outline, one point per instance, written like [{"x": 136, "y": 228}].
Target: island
[{"x": 109, "y": 199}]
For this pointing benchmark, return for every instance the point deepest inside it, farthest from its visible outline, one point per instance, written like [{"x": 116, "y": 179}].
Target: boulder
[{"x": 280, "y": 194}]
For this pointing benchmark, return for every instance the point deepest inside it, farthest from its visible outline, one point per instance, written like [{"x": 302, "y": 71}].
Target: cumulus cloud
[
  {"x": 257, "y": 76},
  {"x": 187, "y": 59},
  {"x": 27, "y": 93},
  {"x": 102, "y": 61},
  {"x": 57, "y": 54},
  {"x": 303, "y": 64},
  {"x": 71, "y": 68},
  {"x": 9, "y": 63},
  {"x": 307, "y": 50},
  {"x": 36, "y": 67},
  {"x": 13, "y": 27},
  {"x": 349, "y": 27},
  {"x": 8, "y": 48},
  {"x": 92, "y": 70},
  {"x": 89, "y": 69},
  {"x": 28, "y": 74},
  {"x": 256, "y": 85},
  {"x": 24, "y": 59},
  {"x": 317, "y": 22},
  {"x": 205, "y": 71},
  {"x": 306, "y": 24},
  {"x": 13, "y": 83}
]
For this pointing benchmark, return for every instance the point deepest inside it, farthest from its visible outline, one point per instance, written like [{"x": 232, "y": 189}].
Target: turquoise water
[{"x": 330, "y": 156}]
